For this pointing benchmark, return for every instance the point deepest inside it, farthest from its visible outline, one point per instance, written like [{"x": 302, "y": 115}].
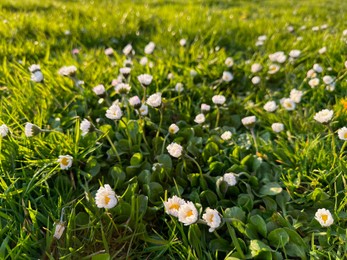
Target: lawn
[{"x": 173, "y": 129}]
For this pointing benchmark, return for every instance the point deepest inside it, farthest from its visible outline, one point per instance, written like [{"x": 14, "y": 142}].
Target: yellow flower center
[
  {"x": 175, "y": 206},
  {"x": 65, "y": 161},
  {"x": 345, "y": 135},
  {"x": 189, "y": 213},
  {"x": 289, "y": 104},
  {"x": 211, "y": 218},
  {"x": 324, "y": 218},
  {"x": 107, "y": 199}
]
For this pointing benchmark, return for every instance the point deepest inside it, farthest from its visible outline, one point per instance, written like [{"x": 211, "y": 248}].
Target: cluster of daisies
[{"x": 185, "y": 211}]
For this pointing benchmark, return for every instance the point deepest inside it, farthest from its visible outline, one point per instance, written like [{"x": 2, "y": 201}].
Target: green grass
[{"x": 268, "y": 214}]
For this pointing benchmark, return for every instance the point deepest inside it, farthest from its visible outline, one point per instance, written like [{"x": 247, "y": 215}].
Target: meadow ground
[{"x": 254, "y": 166}]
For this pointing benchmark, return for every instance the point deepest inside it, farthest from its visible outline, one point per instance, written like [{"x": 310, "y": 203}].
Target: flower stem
[
  {"x": 254, "y": 139},
  {"x": 144, "y": 94},
  {"x": 164, "y": 142},
  {"x": 160, "y": 122},
  {"x": 127, "y": 132},
  {"x": 333, "y": 146},
  {"x": 114, "y": 148},
  {"x": 142, "y": 124},
  {"x": 342, "y": 149},
  {"x": 217, "y": 117}
]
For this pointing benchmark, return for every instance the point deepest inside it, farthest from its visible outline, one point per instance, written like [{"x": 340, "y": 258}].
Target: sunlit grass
[{"x": 282, "y": 178}]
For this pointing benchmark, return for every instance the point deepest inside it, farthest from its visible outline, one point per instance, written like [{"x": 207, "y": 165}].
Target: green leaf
[
  {"x": 209, "y": 197},
  {"x": 145, "y": 177},
  {"x": 260, "y": 224},
  {"x": 166, "y": 161},
  {"x": 143, "y": 204},
  {"x": 122, "y": 212},
  {"x": 295, "y": 250},
  {"x": 245, "y": 201},
  {"x": 257, "y": 246},
  {"x": 251, "y": 231},
  {"x": 216, "y": 168},
  {"x": 270, "y": 189},
  {"x": 210, "y": 150},
  {"x": 235, "y": 212},
  {"x": 220, "y": 244},
  {"x": 92, "y": 167},
  {"x": 295, "y": 237},
  {"x": 104, "y": 256},
  {"x": 82, "y": 219},
  {"x": 136, "y": 159},
  {"x": 118, "y": 176},
  {"x": 278, "y": 238}
]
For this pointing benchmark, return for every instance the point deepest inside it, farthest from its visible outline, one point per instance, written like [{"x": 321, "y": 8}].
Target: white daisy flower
[
  {"x": 135, "y": 102},
  {"x": 270, "y": 106},
  {"x": 68, "y": 71},
  {"x": 99, "y": 90},
  {"x": 31, "y": 129},
  {"x": 65, "y": 161},
  {"x": 200, "y": 118},
  {"x": 227, "y": 76},
  {"x": 295, "y": 95},
  {"x": 311, "y": 74},
  {"x": 324, "y": 217},
  {"x": 106, "y": 197},
  {"x": 328, "y": 79},
  {"x": 212, "y": 218},
  {"x": 175, "y": 150},
  {"x": 34, "y": 67},
  {"x": 183, "y": 42},
  {"x": 229, "y": 62},
  {"x": 226, "y": 135},
  {"x": 127, "y": 49},
  {"x": 114, "y": 112},
  {"x": 262, "y": 38},
  {"x": 322, "y": 50},
  {"x": 288, "y": 104},
  {"x": 249, "y": 121},
  {"x": 143, "y": 110},
  {"x": 149, "y": 48},
  {"x": 3, "y": 130},
  {"x": 230, "y": 178},
  {"x": 172, "y": 205},
  {"x": 188, "y": 214},
  {"x": 218, "y": 99},
  {"x": 125, "y": 71},
  {"x": 37, "y": 76},
  {"x": 173, "y": 129},
  {"x": 313, "y": 82},
  {"x": 109, "y": 51},
  {"x": 205, "y": 108},
  {"x": 256, "y": 80},
  {"x": 273, "y": 68},
  {"x": 256, "y": 67},
  {"x": 193, "y": 73},
  {"x": 145, "y": 79},
  {"x": 154, "y": 100},
  {"x": 143, "y": 61},
  {"x": 324, "y": 116},
  {"x": 342, "y": 133},
  {"x": 85, "y": 127},
  {"x": 179, "y": 87},
  {"x": 122, "y": 88},
  {"x": 317, "y": 68},
  {"x": 278, "y": 57},
  {"x": 294, "y": 53},
  {"x": 277, "y": 127}
]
